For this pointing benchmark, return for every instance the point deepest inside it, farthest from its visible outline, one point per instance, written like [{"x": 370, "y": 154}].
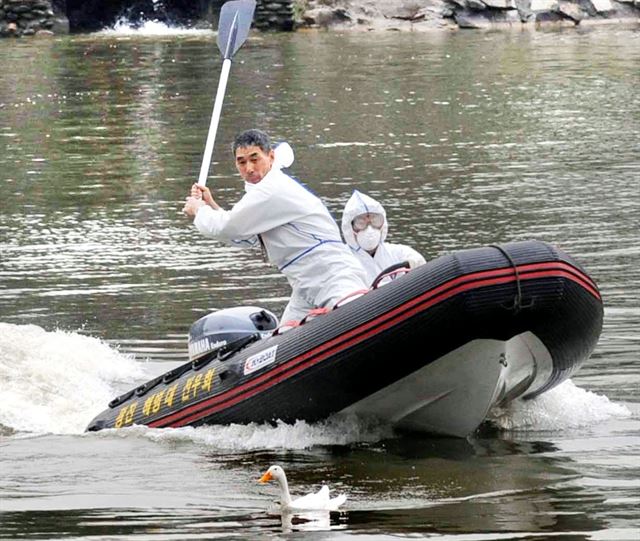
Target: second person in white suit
[{"x": 365, "y": 227}]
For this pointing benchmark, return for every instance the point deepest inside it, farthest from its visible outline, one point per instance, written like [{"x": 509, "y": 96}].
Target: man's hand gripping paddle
[{"x": 233, "y": 29}]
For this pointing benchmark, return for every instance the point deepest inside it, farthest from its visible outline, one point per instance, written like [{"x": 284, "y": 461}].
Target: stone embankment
[
  {"x": 415, "y": 15},
  {"x": 26, "y": 18},
  {"x": 275, "y": 15}
]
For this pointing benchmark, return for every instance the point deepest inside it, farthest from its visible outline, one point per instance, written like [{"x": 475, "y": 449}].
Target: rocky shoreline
[
  {"x": 26, "y": 18},
  {"x": 418, "y": 15},
  {"x": 37, "y": 17}
]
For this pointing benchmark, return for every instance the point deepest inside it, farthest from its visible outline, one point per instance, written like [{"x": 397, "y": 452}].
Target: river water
[{"x": 468, "y": 138}]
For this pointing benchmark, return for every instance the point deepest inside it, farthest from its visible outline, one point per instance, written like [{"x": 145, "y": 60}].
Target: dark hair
[{"x": 251, "y": 138}]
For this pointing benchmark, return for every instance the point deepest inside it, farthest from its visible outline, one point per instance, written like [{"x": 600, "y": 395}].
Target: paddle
[{"x": 233, "y": 29}]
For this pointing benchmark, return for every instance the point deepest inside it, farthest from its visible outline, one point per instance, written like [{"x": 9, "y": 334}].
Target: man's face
[{"x": 253, "y": 163}]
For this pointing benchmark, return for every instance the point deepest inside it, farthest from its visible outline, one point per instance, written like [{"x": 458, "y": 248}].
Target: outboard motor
[{"x": 229, "y": 329}]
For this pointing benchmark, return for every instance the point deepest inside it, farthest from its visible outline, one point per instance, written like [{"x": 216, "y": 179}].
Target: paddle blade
[{"x": 235, "y": 22}]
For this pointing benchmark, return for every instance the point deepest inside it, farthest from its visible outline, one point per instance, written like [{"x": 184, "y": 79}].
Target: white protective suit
[
  {"x": 386, "y": 254},
  {"x": 298, "y": 233}
]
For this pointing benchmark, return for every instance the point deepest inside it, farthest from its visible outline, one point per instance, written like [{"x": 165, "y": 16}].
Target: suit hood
[{"x": 360, "y": 203}]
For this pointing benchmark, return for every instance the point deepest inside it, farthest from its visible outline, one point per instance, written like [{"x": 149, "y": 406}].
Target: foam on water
[
  {"x": 151, "y": 28},
  {"x": 55, "y": 382},
  {"x": 338, "y": 430},
  {"x": 565, "y": 406}
]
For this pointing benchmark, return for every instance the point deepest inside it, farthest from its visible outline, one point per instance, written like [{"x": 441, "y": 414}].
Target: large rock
[
  {"x": 397, "y": 9},
  {"x": 326, "y": 16},
  {"x": 487, "y": 20},
  {"x": 543, "y": 5},
  {"x": 501, "y": 4},
  {"x": 554, "y": 18},
  {"x": 477, "y": 5},
  {"x": 571, "y": 11},
  {"x": 602, "y": 6}
]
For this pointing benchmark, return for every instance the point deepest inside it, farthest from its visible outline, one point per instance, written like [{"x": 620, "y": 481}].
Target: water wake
[
  {"x": 338, "y": 430},
  {"x": 565, "y": 406},
  {"x": 55, "y": 382}
]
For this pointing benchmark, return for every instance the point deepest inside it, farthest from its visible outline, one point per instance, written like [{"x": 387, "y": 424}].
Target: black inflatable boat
[{"x": 432, "y": 350}]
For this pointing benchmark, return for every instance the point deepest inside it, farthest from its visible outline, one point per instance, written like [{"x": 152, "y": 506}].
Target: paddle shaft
[
  {"x": 235, "y": 21},
  {"x": 215, "y": 119}
]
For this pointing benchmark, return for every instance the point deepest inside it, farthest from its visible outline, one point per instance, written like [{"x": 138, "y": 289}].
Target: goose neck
[{"x": 285, "y": 497}]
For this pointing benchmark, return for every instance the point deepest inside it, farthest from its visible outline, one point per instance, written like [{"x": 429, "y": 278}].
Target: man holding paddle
[{"x": 291, "y": 224}]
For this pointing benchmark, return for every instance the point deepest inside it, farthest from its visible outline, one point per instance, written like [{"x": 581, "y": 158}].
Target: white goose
[{"x": 319, "y": 501}]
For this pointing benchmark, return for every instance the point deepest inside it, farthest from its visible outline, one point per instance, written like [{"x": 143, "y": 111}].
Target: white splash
[
  {"x": 151, "y": 28},
  {"x": 56, "y": 382},
  {"x": 338, "y": 430},
  {"x": 565, "y": 406}
]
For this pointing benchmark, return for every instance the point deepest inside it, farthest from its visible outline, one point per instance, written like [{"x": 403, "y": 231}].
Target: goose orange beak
[{"x": 265, "y": 478}]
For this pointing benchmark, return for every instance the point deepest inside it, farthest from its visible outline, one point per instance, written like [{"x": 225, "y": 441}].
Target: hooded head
[{"x": 360, "y": 203}]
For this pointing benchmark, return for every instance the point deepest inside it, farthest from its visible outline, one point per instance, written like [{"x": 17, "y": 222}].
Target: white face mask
[{"x": 369, "y": 238}]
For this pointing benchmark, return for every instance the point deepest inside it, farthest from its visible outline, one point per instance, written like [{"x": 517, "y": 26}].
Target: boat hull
[{"x": 454, "y": 394}]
